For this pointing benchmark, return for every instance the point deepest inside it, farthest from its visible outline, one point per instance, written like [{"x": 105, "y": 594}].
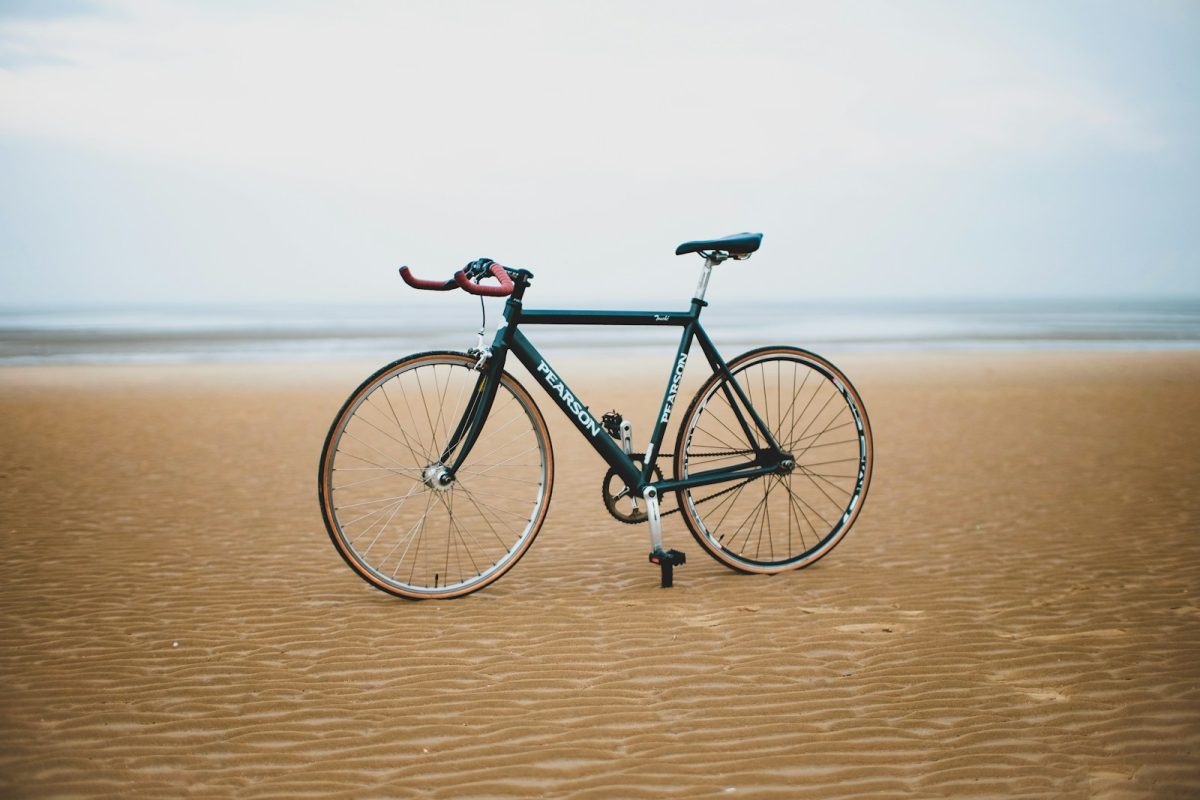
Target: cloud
[
  {"x": 396, "y": 92},
  {"x": 47, "y": 9}
]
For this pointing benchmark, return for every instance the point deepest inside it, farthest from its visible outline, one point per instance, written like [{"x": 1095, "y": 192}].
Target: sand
[{"x": 1016, "y": 613}]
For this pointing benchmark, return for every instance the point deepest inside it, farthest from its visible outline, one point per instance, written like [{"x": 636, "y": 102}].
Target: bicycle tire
[
  {"x": 817, "y": 502},
  {"x": 384, "y": 510}
]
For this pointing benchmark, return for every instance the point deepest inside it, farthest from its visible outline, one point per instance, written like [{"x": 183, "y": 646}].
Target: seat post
[{"x": 710, "y": 260}]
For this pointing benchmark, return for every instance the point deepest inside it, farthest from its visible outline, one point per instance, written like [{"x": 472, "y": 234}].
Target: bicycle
[{"x": 437, "y": 472}]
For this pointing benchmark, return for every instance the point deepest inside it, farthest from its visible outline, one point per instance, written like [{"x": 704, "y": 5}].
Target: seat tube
[{"x": 670, "y": 397}]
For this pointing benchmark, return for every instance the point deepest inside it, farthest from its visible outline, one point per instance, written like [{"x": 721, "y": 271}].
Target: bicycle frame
[{"x": 768, "y": 455}]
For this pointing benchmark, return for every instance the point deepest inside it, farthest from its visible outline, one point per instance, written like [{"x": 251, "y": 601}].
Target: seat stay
[{"x": 736, "y": 397}]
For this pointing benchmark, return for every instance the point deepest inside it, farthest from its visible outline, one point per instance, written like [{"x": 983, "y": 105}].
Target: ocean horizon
[{"x": 171, "y": 334}]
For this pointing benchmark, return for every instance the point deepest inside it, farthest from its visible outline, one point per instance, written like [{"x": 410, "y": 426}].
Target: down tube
[{"x": 575, "y": 409}]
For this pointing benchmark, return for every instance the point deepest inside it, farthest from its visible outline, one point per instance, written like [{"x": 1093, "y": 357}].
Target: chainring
[{"x": 616, "y": 494}]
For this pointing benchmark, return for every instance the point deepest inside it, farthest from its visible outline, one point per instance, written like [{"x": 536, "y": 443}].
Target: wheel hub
[{"x": 436, "y": 477}]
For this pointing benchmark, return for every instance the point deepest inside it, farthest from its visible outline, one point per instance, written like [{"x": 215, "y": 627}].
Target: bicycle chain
[{"x": 677, "y": 509}]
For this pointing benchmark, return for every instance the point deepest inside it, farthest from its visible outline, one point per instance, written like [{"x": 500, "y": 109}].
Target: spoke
[
  {"x": 478, "y": 503},
  {"x": 449, "y": 504},
  {"x": 457, "y": 558},
  {"x": 750, "y": 519},
  {"x": 500, "y": 515},
  {"x": 484, "y": 456},
  {"x": 440, "y": 424},
  {"x": 417, "y": 535},
  {"x": 778, "y": 400},
  {"x": 506, "y": 461},
  {"x": 451, "y": 527},
  {"x": 382, "y": 528},
  {"x": 745, "y": 380},
  {"x": 796, "y": 392},
  {"x": 755, "y": 515},
  {"x": 718, "y": 457},
  {"x": 346, "y": 432},
  {"x": 522, "y": 481},
  {"x": 834, "y": 461},
  {"x": 762, "y": 374},
  {"x": 489, "y": 431},
  {"x": 390, "y": 474},
  {"x": 829, "y": 426},
  {"x": 817, "y": 416},
  {"x": 802, "y": 502},
  {"x": 767, "y": 517},
  {"x": 825, "y": 478},
  {"x": 829, "y": 429},
  {"x": 794, "y": 507},
  {"x": 719, "y": 440},
  {"x": 428, "y": 416},
  {"x": 392, "y": 408},
  {"x": 736, "y": 436},
  {"x": 787, "y": 414},
  {"x": 426, "y": 455},
  {"x": 803, "y": 411},
  {"x": 835, "y": 503},
  {"x": 791, "y": 517},
  {"x": 407, "y": 443},
  {"x": 394, "y": 505},
  {"x": 405, "y": 496},
  {"x": 348, "y": 454},
  {"x": 406, "y": 536},
  {"x": 394, "y": 470},
  {"x": 734, "y": 497},
  {"x": 462, "y": 532},
  {"x": 831, "y": 444}
]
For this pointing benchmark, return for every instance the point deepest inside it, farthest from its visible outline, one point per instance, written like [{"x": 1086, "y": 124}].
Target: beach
[{"x": 1016, "y": 613}]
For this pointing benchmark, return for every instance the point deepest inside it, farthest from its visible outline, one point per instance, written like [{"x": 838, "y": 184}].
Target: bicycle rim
[
  {"x": 779, "y": 521},
  {"x": 386, "y": 512}
]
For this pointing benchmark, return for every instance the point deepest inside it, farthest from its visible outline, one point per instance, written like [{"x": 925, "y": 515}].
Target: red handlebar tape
[
  {"x": 417, "y": 283},
  {"x": 503, "y": 290}
]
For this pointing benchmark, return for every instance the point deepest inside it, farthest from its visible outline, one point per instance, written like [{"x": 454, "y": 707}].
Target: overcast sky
[{"x": 250, "y": 152}]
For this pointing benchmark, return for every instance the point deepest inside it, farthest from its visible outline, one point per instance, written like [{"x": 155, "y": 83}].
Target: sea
[{"x": 170, "y": 334}]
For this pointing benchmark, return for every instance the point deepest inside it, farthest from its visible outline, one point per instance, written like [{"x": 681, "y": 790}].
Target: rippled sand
[{"x": 1016, "y": 614}]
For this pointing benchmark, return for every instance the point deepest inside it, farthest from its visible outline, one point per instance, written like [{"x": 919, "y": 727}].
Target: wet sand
[{"x": 1015, "y": 614}]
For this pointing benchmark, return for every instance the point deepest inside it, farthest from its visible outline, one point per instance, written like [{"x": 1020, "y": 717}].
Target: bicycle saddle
[{"x": 738, "y": 244}]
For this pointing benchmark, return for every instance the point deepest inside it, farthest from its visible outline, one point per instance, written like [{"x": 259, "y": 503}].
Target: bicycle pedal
[
  {"x": 612, "y": 423},
  {"x": 667, "y": 561}
]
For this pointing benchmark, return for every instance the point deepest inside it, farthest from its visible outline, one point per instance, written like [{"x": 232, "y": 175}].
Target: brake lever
[{"x": 479, "y": 268}]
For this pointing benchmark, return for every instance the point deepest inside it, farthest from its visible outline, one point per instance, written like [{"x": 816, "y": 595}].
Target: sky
[{"x": 299, "y": 152}]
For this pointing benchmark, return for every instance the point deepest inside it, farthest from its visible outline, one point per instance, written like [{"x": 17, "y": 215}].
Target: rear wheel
[
  {"x": 789, "y": 519},
  {"x": 389, "y": 514}
]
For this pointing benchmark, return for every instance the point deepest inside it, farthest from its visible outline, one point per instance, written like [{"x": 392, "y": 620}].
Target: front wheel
[
  {"x": 389, "y": 507},
  {"x": 790, "y": 518}
]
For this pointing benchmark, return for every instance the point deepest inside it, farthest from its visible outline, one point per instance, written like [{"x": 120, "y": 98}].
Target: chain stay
[{"x": 713, "y": 496}]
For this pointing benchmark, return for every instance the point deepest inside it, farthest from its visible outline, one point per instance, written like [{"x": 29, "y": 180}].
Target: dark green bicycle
[{"x": 437, "y": 472}]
